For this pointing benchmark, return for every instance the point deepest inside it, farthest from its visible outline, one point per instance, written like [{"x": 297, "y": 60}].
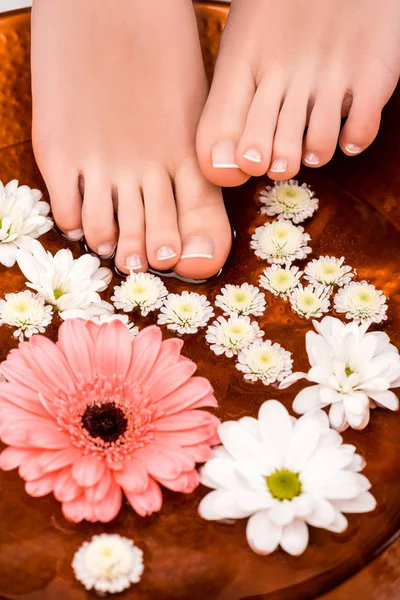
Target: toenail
[
  {"x": 311, "y": 158},
  {"x": 353, "y": 149},
  {"x": 223, "y": 155},
  {"x": 279, "y": 165},
  {"x": 198, "y": 246},
  {"x": 165, "y": 253},
  {"x": 74, "y": 235},
  {"x": 105, "y": 250},
  {"x": 253, "y": 155},
  {"x": 134, "y": 262}
]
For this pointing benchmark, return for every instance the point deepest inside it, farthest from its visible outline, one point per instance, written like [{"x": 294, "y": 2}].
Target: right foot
[{"x": 117, "y": 96}]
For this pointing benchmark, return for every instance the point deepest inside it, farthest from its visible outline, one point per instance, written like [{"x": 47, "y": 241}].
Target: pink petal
[
  {"x": 88, "y": 470},
  {"x": 16, "y": 370},
  {"x": 171, "y": 379},
  {"x": 109, "y": 507},
  {"x": 195, "y": 393},
  {"x": 148, "y": 502},
  {"x": 75, "y": 342},
  {"x": 47, "y": 362},
  {"x": 65, "y": 487},
  {"x": 165, "y": 461},
  {"x": 190, "y": 437},
  {"x": 11, "y": 458},
  {"x": 133, "y": 477},
  {"x": 189, "y": 419},
  {"x": 145, "y": 349},
  {"x": 169, "y": 355},
  {"x": 22, "y": 397},
  {"x": 113, "y": 349},
  {"x": 30, "y": 468},
  {"x": 47, "y": 436},
  {"x": 75, "y": 509},
  {"x": 97, "y": 492},
  {"x": 200, "y": 453},
  {"x": 185, "y": 483},
  {"x": 32, "y": 431},
  {"x": 40, "y": 487},
  {"x": 53, "y": 460}
]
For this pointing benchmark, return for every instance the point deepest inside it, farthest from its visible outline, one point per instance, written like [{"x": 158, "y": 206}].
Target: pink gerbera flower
[{"x": 99, "y": 413}]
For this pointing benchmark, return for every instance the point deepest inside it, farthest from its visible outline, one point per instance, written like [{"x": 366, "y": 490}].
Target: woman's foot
[
  {"x": 285, "y": 65},
  {"x": 118, "y": 88}
]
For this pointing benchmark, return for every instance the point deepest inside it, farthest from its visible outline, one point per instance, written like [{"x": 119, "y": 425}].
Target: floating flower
[
  {"x": 100, "y": 413},
  {"x": 265, "y": 361},
  {"x": 63, "y": 281},
  {"x": 25, "y": 311},
  {"x": 230, "y": 336},
  {"x": 285, "y": 474},
  {"x": 23, "y": 217},
  {"x": 280, "y": 280},
  {"x": 280, "y": 242},
  {"x": 242, "y": 299},
  {"x": 102, "y": 319},
  {"x": 109, "y": 563},
  {"x": 289, "y": 199},
  {"x": 310, "y": 301},
  {"x": 354, "y": 371},
  {"x": 328, "y": 271},
  {"x": 142, "y": 291},
  {"x": 361, "y": 302},
  {"x": 185, "y": 312}
]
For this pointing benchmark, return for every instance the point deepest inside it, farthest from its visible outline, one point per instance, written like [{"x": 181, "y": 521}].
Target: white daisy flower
[
  {"x": 285, "y": 475},
  {"x": 361, "y": 302},
  {"x": 280, "y": 280},
  {"x": 328, "y": 271},
  {"x": 230, "y": 336},
  {"x": 23, "y": 217},
  {"x": 63, "y": 281},
  {"x": 289, "y": 199},
  {"x": 354, "y": 371},
  {"x": 265, "y": 361},
  {"x": 109, "y": 563},
  {"x": 142, "y": 291},
  {"x": 242, "y": 299},
  {"x": 310, "y": 301},
  {"x": 185, "y": 312},
  {"x": 27, "y": 312},
  {"x": 280, "y": 242}
]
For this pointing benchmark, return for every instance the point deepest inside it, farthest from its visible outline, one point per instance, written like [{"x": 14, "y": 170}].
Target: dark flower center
[{"x": 105, "y": 421}]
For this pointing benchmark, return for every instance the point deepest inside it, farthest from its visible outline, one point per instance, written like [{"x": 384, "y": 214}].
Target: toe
[
  {"x": 163, "y": 244},
  {"x": 363, "y": 122},
  {"x": 131, "y": 249},
  {"x": 203, "y": 224},
  {"x": 98, "y": 215}
]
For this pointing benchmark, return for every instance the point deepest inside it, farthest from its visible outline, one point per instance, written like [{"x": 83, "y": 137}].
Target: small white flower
[
  {"x": 280, "y": 242},
  {"x": 284, "y": 474},
  {"x": 354, "y": 371},
  {"x": 27, "y": 312},
  {"x": 310, "y": 301},
  {"x": 361, "y": 302},
  {"x": 265, "y": 361},
  {"x": 242, "y": 299},
  {"x": 280, "y": 280},
  {"x": 142, "y": 291},
  {"x": 289, "y": 199},
  {"x": 109, "y": 563},
  {"x": 106, "y": 318},
  {"x": 63, "y": 281},
  {"x": 185, "y": 312},
  {"x": 230, "y": 336},
  {"x": 328, "y": 271},
  {"x": 23, "y": 217}
]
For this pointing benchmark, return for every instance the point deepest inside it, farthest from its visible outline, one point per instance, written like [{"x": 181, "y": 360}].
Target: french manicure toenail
[
  {"x": 74, "y": 235},
  {"x": 134, "y": 262},
  {"x": 165, "y": 253},
  {"x": 105, "y": 250},
  {"x": 198, "y": 246},
  {"x": 353, "y": 149},
  {"x": 253, "y": 155},
  {"x": 279, "y": 165},
  {"x": 223, "y": 155},
  {"x": 311, "y": 158}
]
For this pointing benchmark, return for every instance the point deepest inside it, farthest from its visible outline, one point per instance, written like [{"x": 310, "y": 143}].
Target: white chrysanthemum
[
  {"x": 280, "y": 280},
  {"x": 107, "y": 318},
  {"x": 242, "y": 299},
  {"x": 280, "y": 242},
  {"x": 289, "y": 199},
  {"x": 310, "y": 301},
  {"x": 61, "y": 280},
  {"x": 230, "y": 336},
  {"x": 142, "y": 291},
  {"x": 109, "y": 563},
  {"x": 27, "y": 312},
  {"x": 23, "y": 217},
  {"x": 354, "y": 371},
  {"x": 265, "y": 361},
  {"x": 328, "y": 271},
  {"x": 185, "y": 312},
  {"x": 284, "y": 474},
  {"x": 361, "y": 302}
]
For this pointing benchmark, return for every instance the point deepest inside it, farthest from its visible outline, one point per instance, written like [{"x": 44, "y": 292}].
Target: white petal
[
  {"x": 323, "y": 514},
  {"x": 387, "y": 399},
  {"x": 304, "y": 439},
  {"x": 365, "y": 502},
  {"x": 219, "y": 473},
  {"x": 281, "y": 513},
  {"x": 288, "y": 381},
  {"x": 240, "y": 443},
  {"x": 337, "y": 416},
  {"x": 307, "y": 399},
  {"x": 263, "y": 536},
  {"x": 340, "y": 485},
  {"x": 358, "y": 421},
  {"x": 339, "y": 524},
  {"x": 294, "y": 538},
  {"x": 323, "y": 465},
  {"x": 276, "y": 428},
  {"x": 218, "y": 505},
  {"x": 355, "y": 403}
]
